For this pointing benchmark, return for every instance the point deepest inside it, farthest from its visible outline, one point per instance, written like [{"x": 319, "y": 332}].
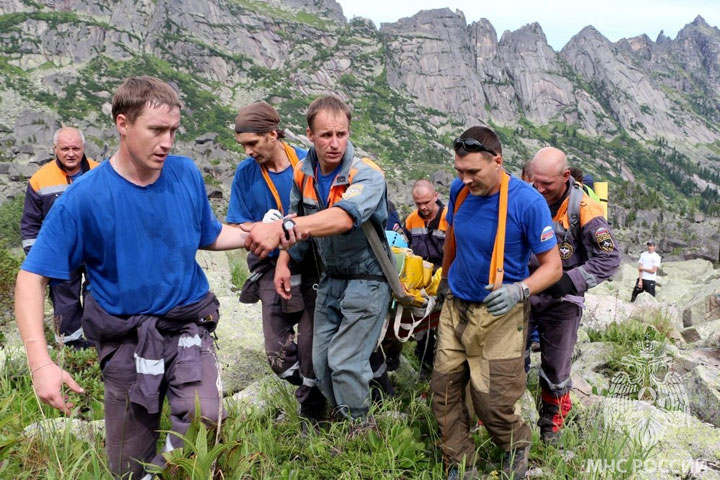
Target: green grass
[{"x": 266, "y": 444}]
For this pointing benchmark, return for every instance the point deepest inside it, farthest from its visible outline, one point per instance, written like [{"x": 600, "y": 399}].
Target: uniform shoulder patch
[
  {"x": 547, "y": 234},
  {"x": 604, "y": 239},
  {"x": 353, "y": 191}
]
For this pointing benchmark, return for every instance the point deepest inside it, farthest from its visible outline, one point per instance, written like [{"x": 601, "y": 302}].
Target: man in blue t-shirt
[
  {"x": 261, "y": 192},
  {"x": 481, "y": 332},
  {"x": 149, "y": 308}
]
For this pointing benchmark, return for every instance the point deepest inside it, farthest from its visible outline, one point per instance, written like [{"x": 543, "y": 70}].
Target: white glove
[{"x": 272, "y": 215}]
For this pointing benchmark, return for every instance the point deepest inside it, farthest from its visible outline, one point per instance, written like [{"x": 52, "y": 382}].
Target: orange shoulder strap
[
  {"x": 497, "y": 263},
  {"x": 292, "y": 156},
  {"x": 449, "y": 248},
  {"x": 498, "y": 256}
]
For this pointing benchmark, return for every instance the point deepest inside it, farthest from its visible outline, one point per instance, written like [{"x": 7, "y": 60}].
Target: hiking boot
[
  {"x": 361, "y": 426},
  {"x": 549, "y": 437},
  {"x": 340, "y": 413},
  {"x": 309, "y": 426},
  {"x": 471, "y": 473},
  {"x": 515, "y": 462},
  {"x": 553, "y": 411}
]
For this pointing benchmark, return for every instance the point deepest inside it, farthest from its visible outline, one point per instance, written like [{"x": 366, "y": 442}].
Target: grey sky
[{"x": 560, "y": 19}]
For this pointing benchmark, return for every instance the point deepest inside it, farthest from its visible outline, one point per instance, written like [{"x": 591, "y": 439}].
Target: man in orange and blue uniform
[
  {"x": 589, "y": 256},
  {"x": 45, "y": 186},
  {"x": 261, "y": 192},
  {"x": 425, "y": 228},
  {"x": 333, "y": 194}
]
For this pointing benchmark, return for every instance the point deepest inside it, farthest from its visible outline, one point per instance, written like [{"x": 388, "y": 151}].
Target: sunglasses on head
[{"x": 471, "y": 145}]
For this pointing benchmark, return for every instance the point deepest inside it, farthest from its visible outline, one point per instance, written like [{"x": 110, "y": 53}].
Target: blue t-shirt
[
  {"x": 138, "y": 244},
  {"x": 324, "y": 183},
  {"x": 528, "y": 229},
  {"x": 250, "y": 197}
]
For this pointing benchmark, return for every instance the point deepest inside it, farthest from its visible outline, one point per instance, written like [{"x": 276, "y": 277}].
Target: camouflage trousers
[{"x": 487, "y": 352}]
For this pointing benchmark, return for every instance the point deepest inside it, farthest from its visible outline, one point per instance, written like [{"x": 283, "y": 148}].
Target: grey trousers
[
  {"x": 349, "y": 316},
  {"x": 131, "y": 432}
]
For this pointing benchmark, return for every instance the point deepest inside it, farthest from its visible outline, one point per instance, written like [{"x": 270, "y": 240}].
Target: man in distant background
[
  {"x": 45, "y": 186},
  {"x": 261, "y": 192},
  {"x": 647, "y": 271},
  {"x": 425, "y": 228}
]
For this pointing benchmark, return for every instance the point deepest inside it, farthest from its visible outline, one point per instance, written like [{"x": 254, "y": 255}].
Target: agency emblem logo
[{"x": 647, "y": 378}]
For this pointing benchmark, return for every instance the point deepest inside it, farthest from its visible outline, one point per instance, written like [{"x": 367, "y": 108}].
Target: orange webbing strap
[
  {"x": 292, "y": 156},
  {"x": 497, "y": 261},
  {"x": 449, "y": 249},
  {"x": 498, "y": 257}
]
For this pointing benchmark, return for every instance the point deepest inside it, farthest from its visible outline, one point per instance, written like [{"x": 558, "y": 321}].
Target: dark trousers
[
  {"x": 647, "y": 286},
  {"x": 557, "y": 323},
  {"x": 131, "y": 432},
  {"x": 67, "y": 305},
  {"x": 290, "y": 356}
]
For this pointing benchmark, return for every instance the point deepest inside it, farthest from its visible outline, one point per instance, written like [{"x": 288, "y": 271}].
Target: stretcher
[{"x": 414, "y": 287}]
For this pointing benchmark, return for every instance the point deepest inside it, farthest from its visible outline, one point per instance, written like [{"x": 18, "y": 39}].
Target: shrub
[
  {"x": 10, "y": 213},
  {"x": 9, "y": 265}
]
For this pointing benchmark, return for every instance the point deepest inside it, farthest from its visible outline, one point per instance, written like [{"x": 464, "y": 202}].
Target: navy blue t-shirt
[
  {"x": 250, "y": 197},
  {"x": 138, "y": 244},
  {"x": 528, "y": 229}
]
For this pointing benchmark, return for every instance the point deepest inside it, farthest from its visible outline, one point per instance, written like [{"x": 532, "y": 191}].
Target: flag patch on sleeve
[{"x": 547, "y": 234}]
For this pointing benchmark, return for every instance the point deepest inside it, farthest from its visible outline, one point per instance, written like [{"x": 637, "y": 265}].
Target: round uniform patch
[
  {"x": 604, "y": 240},
  {"x": 566, "y": 251}
]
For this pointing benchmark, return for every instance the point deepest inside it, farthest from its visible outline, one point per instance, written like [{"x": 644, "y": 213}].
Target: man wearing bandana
[
  {"x": 589, "y": 255},
  {"x": 261, "y": 192}
]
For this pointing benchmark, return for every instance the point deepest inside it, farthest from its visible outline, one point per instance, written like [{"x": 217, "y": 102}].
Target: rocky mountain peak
[
  {"x": 323, "y": 8},
  {"x": 486, "y": 41},
  {"x": 428, "y": 20},
  {"x": 699, "y": 22},
  {"x": 588, "y": 37}
]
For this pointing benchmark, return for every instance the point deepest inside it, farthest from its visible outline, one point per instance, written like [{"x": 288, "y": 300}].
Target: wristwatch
[
  {"x": 287, "y": 225},
  {"x": 525, "y": 290}
]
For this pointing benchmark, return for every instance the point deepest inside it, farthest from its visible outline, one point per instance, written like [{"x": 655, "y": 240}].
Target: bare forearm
[
  {"x": 549, "y": 271},
  {"x": 29, "y": 312},
  {"x": 328, "y": 222},
  {"x": 229, "y": 238}
]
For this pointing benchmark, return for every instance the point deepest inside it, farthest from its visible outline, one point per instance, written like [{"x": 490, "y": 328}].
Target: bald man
[
  {"x": 425, "y": 229},
  {"x": 589, "y": 256},
  {"x": 45, "y": 186}
]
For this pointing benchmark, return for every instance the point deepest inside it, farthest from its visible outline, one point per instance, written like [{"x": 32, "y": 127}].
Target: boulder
[
  {"x": 54, "y": 428},
  {"x": 602, "y": 310},
  {"x": 703, "y": 389},
  {"x": 21, "y": 172},
  {"x": 240, "y": 342},
  {"x": 675, "y": 442}
]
